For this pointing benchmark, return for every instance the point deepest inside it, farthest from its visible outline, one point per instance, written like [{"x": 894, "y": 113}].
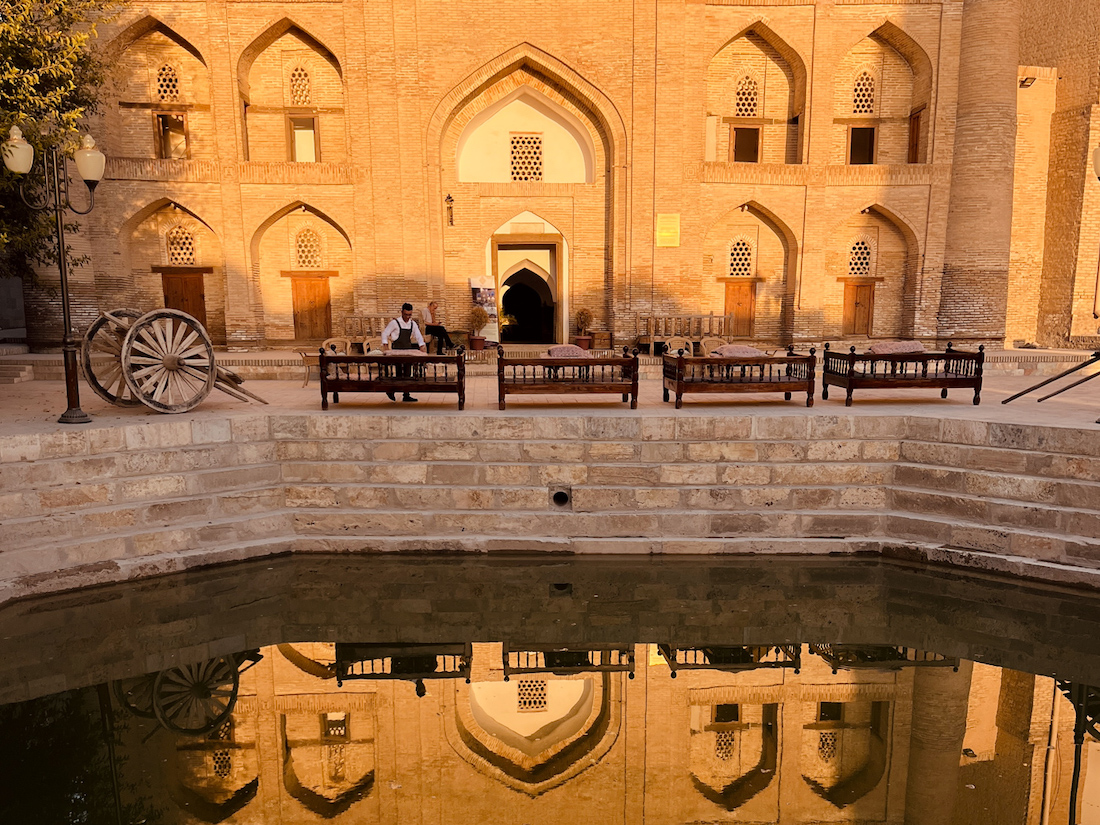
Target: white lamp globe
[
  {"x": 18, "y": 154},
  {"x": 90, "y": 162}
]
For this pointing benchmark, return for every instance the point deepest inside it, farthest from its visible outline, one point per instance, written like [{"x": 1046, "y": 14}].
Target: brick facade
[{"x": 386, "y": 95}]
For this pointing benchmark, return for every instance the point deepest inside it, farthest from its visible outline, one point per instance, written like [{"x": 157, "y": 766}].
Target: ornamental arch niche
[
  {"x": 871, "y": 270},
  {"x": 883, "y": 83},
  {"x": 158, "y": 104},
  {"x": 758, "y": 292},
  {"x": 174, "y": 259},
  {"x": 302, "y": 262},
  {"x": 536, "y": 732},
  {"x": 292, "y": 98},
  {"x": 527, "y": 133},
  {"x": 756, "y": 88}
]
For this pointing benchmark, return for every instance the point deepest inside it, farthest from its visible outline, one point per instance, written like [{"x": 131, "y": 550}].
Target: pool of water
[{"x": 552, "y": 690}]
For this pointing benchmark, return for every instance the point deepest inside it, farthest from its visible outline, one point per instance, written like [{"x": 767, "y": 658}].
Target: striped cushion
[
  {"x": 895, "y": 347},
  {"x": 567, "y": 351},
  {"x": 738, "y": 351}
]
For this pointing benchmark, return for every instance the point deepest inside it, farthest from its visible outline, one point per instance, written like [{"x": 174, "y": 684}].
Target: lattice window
[
  {"x": 740, "y": 258},
  {"x": 859, "y": 260},
  {"x": 863, "y": 94},
  {"x": 725, "y": 744},
  {"x": 826, "y": 745},
  {"x": 307, "y": 249},
  {"x": 526, "y": 157},
  {"x": 746, "y": 97},
  {"x": 531, "y": 695},
  {"x": 300, "y": 91},
  {"x": 336, "y": 759},
  {"x": 181, "y": 247},
  {"x": 335, "y": 725},
  {"x": 223, "y": 763},
  {"x": 168, "y": 84}
]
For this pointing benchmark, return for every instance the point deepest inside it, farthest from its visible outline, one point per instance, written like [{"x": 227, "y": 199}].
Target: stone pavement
[{"x": 33, "y": 407}]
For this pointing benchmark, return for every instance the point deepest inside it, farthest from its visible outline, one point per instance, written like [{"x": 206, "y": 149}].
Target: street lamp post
[{"x": 19, "y": 158}]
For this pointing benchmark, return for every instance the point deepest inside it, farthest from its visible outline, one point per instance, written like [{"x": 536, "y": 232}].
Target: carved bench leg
[
  {"x": 633, "y": 401},
  {"x": 786, "y": 396},
  {"x": 324, "y": 401},
  {"x": 810, "y": 398},
  {"x": 666, "y": 393},
  {"x": 848, "y": 398},
  {"x": 943, "y": 393},
  {"x": 679, "y": 400},
  {"x": 824, "y": 392}
]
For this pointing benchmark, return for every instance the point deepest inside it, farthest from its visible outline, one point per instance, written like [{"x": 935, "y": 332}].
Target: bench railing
[{"x": 906, "y": 365}]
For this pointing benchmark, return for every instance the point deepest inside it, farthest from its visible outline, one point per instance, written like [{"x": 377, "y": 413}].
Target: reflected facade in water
[
  {"x": 491, "y": 732},
  {"x": 701, "y": 691}
]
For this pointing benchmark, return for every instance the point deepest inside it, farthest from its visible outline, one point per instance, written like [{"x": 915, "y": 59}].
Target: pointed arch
[
  {"x": 269, "y": 36},
  {"x": 762, "y": 28},
  {"x": 275, "y": 216},
  {"x": 147, "y": 25},
  {"x": 527, "y": 58},
  {"x": 527, "y": 263},
  {"x": 890, "y": 34},
  {"x": 127, "y": 227}
]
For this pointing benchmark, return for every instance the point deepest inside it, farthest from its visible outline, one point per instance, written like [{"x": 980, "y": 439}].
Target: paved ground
[{"x": 33, "y": 407}]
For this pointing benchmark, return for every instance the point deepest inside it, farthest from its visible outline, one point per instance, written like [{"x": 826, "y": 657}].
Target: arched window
[
  {"x": 859, "y": 259},
  {"x": 300, "y": 91},
  {"x": 863, "y": 94},
  {"x": 307, "y": 249},
  {"x": 181, "y": 247},
  {"x": 168, "y": 84},
  {"x": 740, "y": 258},
  {"x": 746, "y": 97}
]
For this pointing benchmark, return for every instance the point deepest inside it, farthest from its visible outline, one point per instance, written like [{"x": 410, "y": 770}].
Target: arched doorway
[{"x": 527, "y": 300}]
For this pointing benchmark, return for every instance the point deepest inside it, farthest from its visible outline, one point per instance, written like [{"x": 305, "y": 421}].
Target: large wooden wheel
[
  {"x": 168, "y": 361},
  {"x": 196, "y": 699},
  {"x": 101, "y": 356}
]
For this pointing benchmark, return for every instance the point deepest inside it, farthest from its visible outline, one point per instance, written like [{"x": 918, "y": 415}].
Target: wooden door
[
  {"x": 859, "y": 308},
  {"x": 741, "y": 305},
  {"x": 185, "y": 291},
  {"x": 312, "y": 308}
]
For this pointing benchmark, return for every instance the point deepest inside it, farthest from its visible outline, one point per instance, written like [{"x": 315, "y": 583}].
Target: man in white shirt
[{"x": 403, "y": 334}]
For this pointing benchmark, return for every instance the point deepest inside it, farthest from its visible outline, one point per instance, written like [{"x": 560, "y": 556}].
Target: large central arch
[{"x": 598, "y": 240}]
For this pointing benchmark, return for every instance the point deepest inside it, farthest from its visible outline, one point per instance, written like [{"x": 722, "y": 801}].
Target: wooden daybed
[
  {"x": 381, "y": 373},
  {"x": 946, "y": 370},
  {"x": 614, "y": 374},
  {"x": 787, "y": 374}
]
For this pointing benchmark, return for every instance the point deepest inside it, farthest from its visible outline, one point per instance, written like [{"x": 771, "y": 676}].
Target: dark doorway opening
[{"x": 527, "y": 299}]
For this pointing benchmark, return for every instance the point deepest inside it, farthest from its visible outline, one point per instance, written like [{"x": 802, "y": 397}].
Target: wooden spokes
[
  {"x": 168, "y": 361},
  {"x": 196, "y": 699},
  {"x": 136, "y": 694},
  {"x": 101, "y": 356}
]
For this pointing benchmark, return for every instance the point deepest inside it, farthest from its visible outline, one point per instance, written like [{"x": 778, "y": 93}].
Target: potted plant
[
  {"x": 584, "y": 321},
  {"x": 478, "y": 319}
]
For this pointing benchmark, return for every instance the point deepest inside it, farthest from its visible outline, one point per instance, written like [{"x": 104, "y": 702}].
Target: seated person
[
  {"x": 403, "y": 334},
  {"x": 433, "y": 325}
]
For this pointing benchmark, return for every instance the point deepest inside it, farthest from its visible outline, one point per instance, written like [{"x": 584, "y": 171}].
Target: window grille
[
  {"x": 725, "y": 742},
  {"x": 826, "y": 745},
  {"x": 307, "y": 247},
  {"x": 300, "y": 92},
  {"x": 531, "y": 695},
  {"x": 335, "y": 725},
  {"x": 746, "y": 97},
  {"x": 181, "y": 247},
  {"x": 526, "y": 157},
  {"x": 168, "y": 84},
  {"x": 859, "y": 260},
  {"x": 222, "y": 758},
  {"x": 740, "y": 259},
  {"x": 223, "y": 763},
  {"x": 863, "y": 95}
]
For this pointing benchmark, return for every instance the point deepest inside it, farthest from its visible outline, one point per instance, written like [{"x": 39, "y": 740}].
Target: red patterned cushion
[
  {"x": 738, "y": 351},
  {"x": 895, "y": 347},
  {"x": 568, "y": 351}
]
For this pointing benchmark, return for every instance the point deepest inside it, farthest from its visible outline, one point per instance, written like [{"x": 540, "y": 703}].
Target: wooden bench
[
  {"x": 946, "y": 370},
  {"x": 787, "y": 374},
  {"x": 614, "y": 374},
  {"x": 405, "y": 372}
]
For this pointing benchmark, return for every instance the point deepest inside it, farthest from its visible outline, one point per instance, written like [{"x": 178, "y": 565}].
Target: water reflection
[
  {"x": 492, "y": 732},
  {"x": 809, "y": 691}
]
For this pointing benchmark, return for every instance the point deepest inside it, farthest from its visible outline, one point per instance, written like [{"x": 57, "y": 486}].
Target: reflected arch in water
[
  {"x": 734, "y": 751},
  {"x": 573, "y": 724}
]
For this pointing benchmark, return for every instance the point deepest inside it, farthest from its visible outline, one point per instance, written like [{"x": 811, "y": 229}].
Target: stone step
[{"x": 15, "y": 373}]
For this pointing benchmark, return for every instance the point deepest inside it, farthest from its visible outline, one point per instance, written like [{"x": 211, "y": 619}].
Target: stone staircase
[
  {"x": 132, "y": 501},
  {"x": 15, "y": 373}
]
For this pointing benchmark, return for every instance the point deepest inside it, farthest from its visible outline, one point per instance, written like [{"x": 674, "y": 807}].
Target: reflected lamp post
[{"x": 90, "y": 162}]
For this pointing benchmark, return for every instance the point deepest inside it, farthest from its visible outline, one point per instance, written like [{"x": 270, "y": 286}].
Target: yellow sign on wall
[{"x": 668, "y": 229}]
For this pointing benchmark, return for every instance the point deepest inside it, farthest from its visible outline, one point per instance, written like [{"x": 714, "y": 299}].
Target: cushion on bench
[
  {"x": 738, "y": 351},
  {"x": 895, "y": 347},
  {"x": 568, "y": 351}
]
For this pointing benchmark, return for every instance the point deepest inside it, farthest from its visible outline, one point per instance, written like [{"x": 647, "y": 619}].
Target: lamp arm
[{"x": 62, "y": 166}]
